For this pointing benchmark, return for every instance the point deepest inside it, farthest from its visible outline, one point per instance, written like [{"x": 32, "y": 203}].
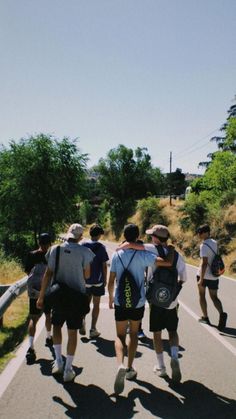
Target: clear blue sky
[{"x": 159, "y": 74}]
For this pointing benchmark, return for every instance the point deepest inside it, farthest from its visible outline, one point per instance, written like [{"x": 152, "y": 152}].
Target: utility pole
[{"x": 170, "y": 186}]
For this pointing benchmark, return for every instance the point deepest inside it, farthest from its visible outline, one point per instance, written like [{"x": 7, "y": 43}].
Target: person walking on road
[
  {"x": 165, "y": 318},
  {"x": 35, "y": 267},
  {"x": 73, "y": 269},
  {"x": 129, "y": 289},
  {"x": 95, "y": 285},
  {"x": 205, "y": 279}
]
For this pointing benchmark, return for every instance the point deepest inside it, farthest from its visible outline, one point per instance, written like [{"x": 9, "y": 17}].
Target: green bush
[{"x": 150, "y": 212}]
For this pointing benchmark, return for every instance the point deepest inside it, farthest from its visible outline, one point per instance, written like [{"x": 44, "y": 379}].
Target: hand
[
  {"x": 39, "y": 303},
  {"x": 124, "y": 245}
]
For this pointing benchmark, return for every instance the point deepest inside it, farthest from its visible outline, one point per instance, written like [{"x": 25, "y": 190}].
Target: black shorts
[
  {"x": 212, "y": 284},
  {"x": 73, "y": 319},
  {"x": 96, "y": 291},
  {"x": 34, "y": 311},
  {"x": 122, "y": 314},
  {"x": 163, "y": 318}
]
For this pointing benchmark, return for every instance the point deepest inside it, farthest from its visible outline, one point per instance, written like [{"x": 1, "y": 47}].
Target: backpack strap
[
  {"x": 56, "y": 264},
  {"x": 215, "y": 253},
  {"x": 163, "y": 255},
  {"x": 129, "y": 261}
]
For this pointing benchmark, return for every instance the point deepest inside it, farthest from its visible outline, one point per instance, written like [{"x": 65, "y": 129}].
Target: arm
[
  {"x": 111, "y": 288},
  {"x": 87, "y": 272},
  {"x": 127, "y": 245},
  {"x": 104, "y": 270},
  {"x": 45, "y": 282},
  {"x": 203, "y": 267},
  {"x": 169, "y": 259}
]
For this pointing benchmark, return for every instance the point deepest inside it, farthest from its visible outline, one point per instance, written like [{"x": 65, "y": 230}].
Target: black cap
[
  {"x": 45, "y": 238},
  {"x": 96, "y": 230},
  {"x": 205, "y": 228}
]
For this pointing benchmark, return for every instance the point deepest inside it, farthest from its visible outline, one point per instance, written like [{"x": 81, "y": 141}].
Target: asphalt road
[{"x": 207, "y": 358}]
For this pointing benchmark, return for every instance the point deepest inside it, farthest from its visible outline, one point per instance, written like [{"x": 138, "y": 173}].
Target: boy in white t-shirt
[{"x": 208, "y": 248}]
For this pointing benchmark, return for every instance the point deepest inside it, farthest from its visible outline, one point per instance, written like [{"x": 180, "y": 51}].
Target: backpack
[
  {"x": 163, "y": 287},
  {"x": 217, "y": 266},
  {"x": 128, "y": 291},
  {"x": 35, "y": 279}
]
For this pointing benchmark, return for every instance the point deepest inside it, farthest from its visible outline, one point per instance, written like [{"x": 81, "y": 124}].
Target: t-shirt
[
  {"x": 205, "y": 251},
  {"x": 101, "y": 256},
  {"x": 181, "y": 268},
  {"x": 72, "y": 260},
  {"x": 140, "y": 262}
]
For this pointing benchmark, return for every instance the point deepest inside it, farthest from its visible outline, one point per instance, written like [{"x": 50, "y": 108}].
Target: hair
[
  {"x": 131, "y": 232},
  {"x": 205, "y": 228},
  {"x": 162, "y": 239}
]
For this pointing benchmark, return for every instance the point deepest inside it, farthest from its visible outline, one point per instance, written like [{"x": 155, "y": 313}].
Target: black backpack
[
  {"x": 163, "y": 287},
  {"x": 128, "y": 289},
  {"x": 217, "y": 265}
]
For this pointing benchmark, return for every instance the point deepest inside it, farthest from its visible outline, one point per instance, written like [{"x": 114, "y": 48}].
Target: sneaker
[
  {"x": 93, "y": 333},
  {"x": 82, "y": 330},
  {"x": 131, "y": 374},
  {"x": 49, "y": 342},
  {"x": 69, "y": 375},
  {"x": 30, "y": 356},
  {"x": 204, "y": 320},
  {"x": 57, "y": 367},
  {"x": 161, "y": 372},
  {"x": 120, "y": 380},
  {"x": 141, "y": 335},
  {"x": 176, "y": 374},
  {"x": 222, "y": 321}
]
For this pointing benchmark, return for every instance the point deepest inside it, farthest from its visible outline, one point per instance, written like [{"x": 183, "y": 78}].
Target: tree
[
  {"x": 176, "y": 182},
  {"x": 39, "y": 182},
  {"x": 125, "y": 176}
]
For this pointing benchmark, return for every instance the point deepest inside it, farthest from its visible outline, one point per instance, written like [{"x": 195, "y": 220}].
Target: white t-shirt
[
  {"x": 181, "y": 268},
  {"x": 205, "y": 251}
]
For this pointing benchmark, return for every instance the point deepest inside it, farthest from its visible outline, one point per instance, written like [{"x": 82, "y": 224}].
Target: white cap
[{"x": 74, "y": 231}]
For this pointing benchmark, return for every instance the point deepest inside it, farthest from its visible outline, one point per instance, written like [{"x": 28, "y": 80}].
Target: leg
[
  {"x": 133, "y": 341},
  {"x": 95, "y": 311},
  {"x": 215, "y": 300},
  {"x": 202, "y": 300},
  {"x": 32, "y": 327},
  {"x": 120, "y": 344},
  {"x": 72, "y": 342}
]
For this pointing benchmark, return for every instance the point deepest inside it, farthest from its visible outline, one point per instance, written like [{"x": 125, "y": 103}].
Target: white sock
[
  {"x": 160, "y": 360},
  {"x": 69, "y": 360},
  {"x": 48, "y": 334},
  {"x": 31, "y": 341},
  {"x": 57, "y": 349},
  {"x": 174, "y": 350}
]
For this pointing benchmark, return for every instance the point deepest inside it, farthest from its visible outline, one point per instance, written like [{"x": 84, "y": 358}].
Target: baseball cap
[
  {"x": 159, "y": 230},
  {"x": 96, "y": 230},
  {"x": 45, "y": 238},
  {"x": 74, "y": 231}
]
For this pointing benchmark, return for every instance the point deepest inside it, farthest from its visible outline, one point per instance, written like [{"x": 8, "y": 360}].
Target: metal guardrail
[{"x": 10, "y": 293}]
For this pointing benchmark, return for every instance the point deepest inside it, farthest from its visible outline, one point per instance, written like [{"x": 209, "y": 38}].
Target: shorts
[
  {"x": 212, "y": 284},
  {"x": 73, "y": 319},
  {"x": 34, "y": 311},
  {"x": 122, "y": 314},
  {"x": 96, "y": 291},
  {"x": 163, "y": 318}
]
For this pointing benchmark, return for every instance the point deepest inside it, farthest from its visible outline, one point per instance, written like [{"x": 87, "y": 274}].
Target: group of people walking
[{"x": 81, "y": 265}]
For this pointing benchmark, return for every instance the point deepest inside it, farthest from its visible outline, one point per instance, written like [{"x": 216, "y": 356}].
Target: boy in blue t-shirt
[{"x": 95, "y": 285}]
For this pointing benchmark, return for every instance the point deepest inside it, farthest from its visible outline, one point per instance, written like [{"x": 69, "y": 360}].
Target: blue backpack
[{"x": 128, "y": 289}]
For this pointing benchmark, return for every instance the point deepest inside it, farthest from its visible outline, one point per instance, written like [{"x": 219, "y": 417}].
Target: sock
[
  {"x": 160, "y": 360},
  {"x": 31, "y": 341},
  {"x": 174, "y": 350},
  {"x": 57, "y": 349},
  {"x": 48, "y": 333},
  {"x": 69, "y": 360}
]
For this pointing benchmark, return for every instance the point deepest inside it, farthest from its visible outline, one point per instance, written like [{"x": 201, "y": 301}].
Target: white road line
[
  {"x": 12, "y": 367},
  {"x": 213, "y": 332}
]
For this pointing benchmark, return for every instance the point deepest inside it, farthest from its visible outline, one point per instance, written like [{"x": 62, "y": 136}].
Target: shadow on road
[{"x": 193, "y": 400}]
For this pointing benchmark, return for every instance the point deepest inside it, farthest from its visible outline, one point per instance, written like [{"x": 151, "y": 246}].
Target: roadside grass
[{"x": 15, "y": 319}]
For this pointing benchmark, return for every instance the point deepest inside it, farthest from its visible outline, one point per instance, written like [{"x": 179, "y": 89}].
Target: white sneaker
[
  {"x": 93, "y": 333},
  {"x": 82, "y": 330},
  {"x": 131, "y": 374},
  {"x": 120, "y": 380},
  {"x": 69, "y": 375},
  {"x": 161, "y": 372},
  {"x": 57, "y": 367},
  {"x": 176, "y": 373}
]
